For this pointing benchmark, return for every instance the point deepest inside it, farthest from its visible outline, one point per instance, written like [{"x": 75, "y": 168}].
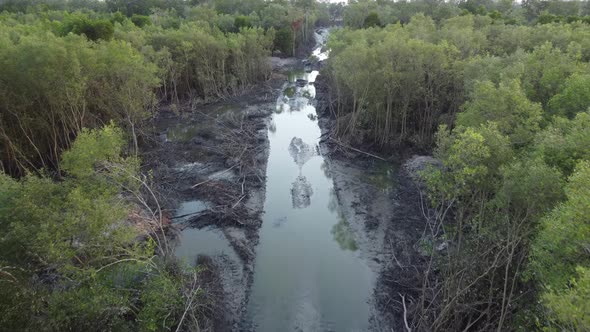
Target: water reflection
[
  {"x": 341, "y": 230},
  {"x": 343, "y": 235},
  {"x": 278, "y": 222},
  {"x": 308, "y": 91},
  {"x": 300, "y": 151},
  {"x": 308, "y": 274},
  {"x": 383, "y": 177},
  {"x": 193, "y": 242},
  {"x": 272, "y": 127},
  {"x": 289, "y": 91},
  {"x": 206, "y": 241},
  {"x": 189, "y": 209},
  {"x": 301, "y": 192},
  {"x": 282, "y": 107},
  {"x": 295, "y": 75}
]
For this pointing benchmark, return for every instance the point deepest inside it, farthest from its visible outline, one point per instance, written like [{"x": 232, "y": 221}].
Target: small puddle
[
  {"x": 182, "y": 133},
  {"x": 227, "y": 108},
  {"x": 206, "y": 241},
  {"x": 193, "y": 242},
  {"x": 383, "y": 177},
  {"x": 295, "y": 75},
  {"x": 189, "y": 209}
]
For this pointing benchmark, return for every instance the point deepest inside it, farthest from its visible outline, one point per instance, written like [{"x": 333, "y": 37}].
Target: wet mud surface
[{"x": 210, "y": 163}]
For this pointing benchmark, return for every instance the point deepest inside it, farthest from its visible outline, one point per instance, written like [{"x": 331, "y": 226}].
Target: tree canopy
[{"x": 499, "y": 93}]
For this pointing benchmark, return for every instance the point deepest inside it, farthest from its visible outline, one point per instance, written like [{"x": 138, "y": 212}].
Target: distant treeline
[{"x": 370, "y": 13}]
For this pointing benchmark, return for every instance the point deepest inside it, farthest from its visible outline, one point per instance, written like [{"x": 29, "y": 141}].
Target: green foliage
[
  {"x": 464, "y": 33},
  {"x": 242, "y": 22},
  {"x": 504, "y": 164},
  {"x": 570, "y": 307},
  {"x": 390, "y": 12},
  {"x": 161, "y": 298},
  {"x": 498, "y": 194},
  {"x": 519, "y": 132},
  {"x": 529, "y": 185},
  {"x": 501, "y": 195},
  {"x": 56, "y": 225},
  {"x": 495, "y": 15},
  {"x": 93, "y": 29},
  {"x": 526, "y": 67},
  {"x": 559, "y": 259},
  {"x": 50, "y": 85},
  {"x": 565, "y": 142},
  {"x": 118, "y": 17},
  {"x": 90, "y": 147},
  {"x": 372, "y": 20},
  {"x": 507, "y": 106},
  {"x": 574, "y": 98},
  {"x": 471, "y": 158},
  {"x": 75, "y": 214},
  {"x": 72, "y": 259},
  {"x": 391, "y": 88},
  {"x": 284, "y": 41},
  {"x": 141, "y": 20},
  {"x": 547, "y": 69},
  {"x": 205, "y": 64},
  {"x": 178, "y": 52},
  {"x": 143, "y": 7},
  {"x": 548, "y": 18}
]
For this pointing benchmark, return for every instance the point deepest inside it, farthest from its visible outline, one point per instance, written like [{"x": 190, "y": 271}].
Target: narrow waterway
[{"x": 308, "y": 273}]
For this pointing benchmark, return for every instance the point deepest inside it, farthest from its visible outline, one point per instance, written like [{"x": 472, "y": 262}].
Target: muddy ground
[{"x": 217, "y": 154}]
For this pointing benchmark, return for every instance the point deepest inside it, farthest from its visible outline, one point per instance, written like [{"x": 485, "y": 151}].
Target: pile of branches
[{"x": 240, "y": 143}]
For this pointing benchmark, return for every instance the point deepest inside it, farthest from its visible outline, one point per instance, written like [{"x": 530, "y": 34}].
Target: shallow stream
[{"x": 308, "y": 274}]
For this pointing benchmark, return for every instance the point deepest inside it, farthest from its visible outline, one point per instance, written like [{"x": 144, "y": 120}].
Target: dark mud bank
[{"x": 209, "y": 164}]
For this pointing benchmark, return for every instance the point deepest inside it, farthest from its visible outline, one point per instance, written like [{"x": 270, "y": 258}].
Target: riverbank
[
  {"x": 209, "y": 165},
  {"x": 380, "y": 198}
]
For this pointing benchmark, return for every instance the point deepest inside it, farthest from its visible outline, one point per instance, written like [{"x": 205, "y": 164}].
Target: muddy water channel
[
  {"x": 308, "y": 274},
  {"x": 309, "y": 259}
]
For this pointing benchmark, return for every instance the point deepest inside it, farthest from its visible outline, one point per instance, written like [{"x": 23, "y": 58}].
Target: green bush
[
  {"x": 141, "y": 20},
  {"x": 372, "y": 20},
  {"x": 93, "y": 29},
  {"x": 68, "y": 258}
]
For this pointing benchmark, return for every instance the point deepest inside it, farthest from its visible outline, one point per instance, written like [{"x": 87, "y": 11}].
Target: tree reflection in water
[
  {"x": 300, "y": 151},
  {"x": 301, "y": 192},
  {"x": 341, "y": 230}
]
